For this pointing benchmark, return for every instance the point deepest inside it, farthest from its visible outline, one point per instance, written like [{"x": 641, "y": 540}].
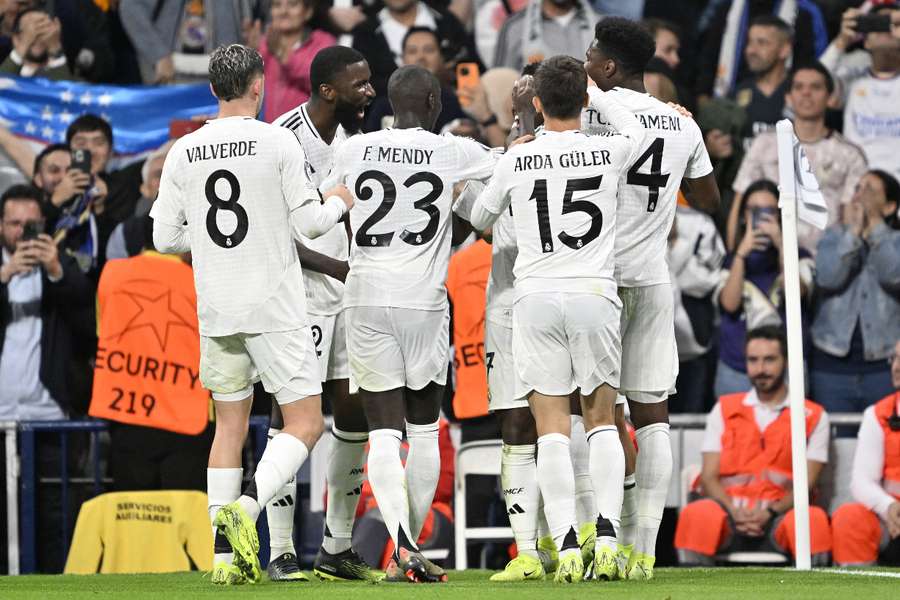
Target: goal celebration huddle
[{"x": 320, "y": 256}]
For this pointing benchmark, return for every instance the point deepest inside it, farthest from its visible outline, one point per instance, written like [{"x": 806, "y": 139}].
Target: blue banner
[{"x": 41, "y": 109}]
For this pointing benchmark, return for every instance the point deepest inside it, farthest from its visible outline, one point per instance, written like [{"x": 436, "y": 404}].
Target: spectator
[
  {"x": 858, "y": 299},
  {"x": 862, "y": 530},
  {"x": 52, "y": 176},
  {"x": 86, "y": 39},
  {"x": 762, "y": 93},
  {"x": 720, "y": 63},
  {"x": 837, "y": 163},
  {"x": 751, "y": 290},
  {"x": 746, "y": 478},
  {"x": 421, "y": 46},
  {"x": 173, "y": 38},
  {"x": 845, "y": 57},
  {"x": 659, "y": 80},
  {"x": 9, "y": 10},
  {"x": 41, "y": 294},
  {"x": 287, "y": 51},
  {"x": 37, "y": 47},
  {"x": 695, "y": 259},
  {"x": 668, "y": 40},
  {"x": 872, "y": 109},
  {"x": 129, "y": 238},
  {"x": 487, "y": 20},
  {"x": 380, "y": 37},
  {"x": 543, "y": 29}
]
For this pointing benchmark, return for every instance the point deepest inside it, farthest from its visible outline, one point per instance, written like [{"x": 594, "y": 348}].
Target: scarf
[
  {"x": 533, "y": 47},
  {"x": 76, "y": 230},
  {"x": 734, "y": 39}
]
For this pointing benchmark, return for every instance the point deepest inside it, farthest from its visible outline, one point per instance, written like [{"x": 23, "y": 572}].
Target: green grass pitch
[{"x": 669, "y": 584}]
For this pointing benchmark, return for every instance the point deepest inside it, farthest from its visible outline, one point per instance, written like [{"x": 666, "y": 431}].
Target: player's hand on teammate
[
  {"x": 343, "y": 193},
  {"x": 681, "y": 110}
]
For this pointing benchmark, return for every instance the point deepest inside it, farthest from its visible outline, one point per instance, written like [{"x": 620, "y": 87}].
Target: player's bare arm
[{"x": 702, "y": 193}]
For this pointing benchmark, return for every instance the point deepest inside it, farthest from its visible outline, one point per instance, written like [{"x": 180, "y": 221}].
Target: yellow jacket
[{"x": 142, "y": 532}]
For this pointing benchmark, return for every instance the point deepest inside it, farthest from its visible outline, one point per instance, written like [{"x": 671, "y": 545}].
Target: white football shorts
[
  {"x": 501, "y": 370},
  {"x": 563, "y": 341},
  {"x": 393, "y": 347},
  {"x": 330, "y": 336},
  {"x": 284, "y": 361},
  {"x": 649, "y": 351}
]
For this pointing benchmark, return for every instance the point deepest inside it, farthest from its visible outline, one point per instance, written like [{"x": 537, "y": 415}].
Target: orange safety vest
[
  {"x": 466, "y": 284},
  {"x": 147, "y": 370},
  {"x": 884, "y": 410},
  {"x": 757, "y": 465}
]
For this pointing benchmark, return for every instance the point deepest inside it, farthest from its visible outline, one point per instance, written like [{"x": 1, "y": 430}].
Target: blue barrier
[{"x": 29, "y": 481}]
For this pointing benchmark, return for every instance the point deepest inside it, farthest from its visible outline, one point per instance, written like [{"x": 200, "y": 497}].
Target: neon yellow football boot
[
  {"x": 605, "y": 567},
  {"x": 571, "y": 568},
  {"x": 640, "y": 567},
  {"x": 225, "y": 574},
  {"x": 521, "y": 568},
  {"x": 548, "y": 553},
  {"x": 587, "y": 536},
  {"x": 240, "y": 531}
]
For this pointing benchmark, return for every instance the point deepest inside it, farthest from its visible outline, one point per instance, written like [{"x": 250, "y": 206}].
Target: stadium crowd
[{"x": 70, "y": 218}]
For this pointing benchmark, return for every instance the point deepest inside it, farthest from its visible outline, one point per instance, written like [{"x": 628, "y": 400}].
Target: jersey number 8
[{"x": 230, "y": 205}]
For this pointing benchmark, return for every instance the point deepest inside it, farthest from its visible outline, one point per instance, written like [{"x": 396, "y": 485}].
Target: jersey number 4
[
  {"x": 389, "y": 190},
  {"x": 230, "y": 205},
  {"x": 655, "y": 179},
  {"x": 539, "y": 195}
]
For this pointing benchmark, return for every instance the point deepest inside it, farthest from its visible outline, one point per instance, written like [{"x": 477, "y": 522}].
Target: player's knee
[
  {"x": 517, "y": 426},
  {"x": 648, "y": 408}
]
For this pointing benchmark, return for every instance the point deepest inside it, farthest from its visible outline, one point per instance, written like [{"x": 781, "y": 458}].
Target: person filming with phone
[{"x": 751, "y": 291}]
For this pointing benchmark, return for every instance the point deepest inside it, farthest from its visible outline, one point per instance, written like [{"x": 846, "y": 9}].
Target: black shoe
[
  {"x": 417, "y": 568},
  {"x": 344, "y": 566},
  {"x": 285, "y": 568}
]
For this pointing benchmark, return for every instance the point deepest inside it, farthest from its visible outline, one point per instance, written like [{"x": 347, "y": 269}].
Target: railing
[{"x": 22, "y": 480}]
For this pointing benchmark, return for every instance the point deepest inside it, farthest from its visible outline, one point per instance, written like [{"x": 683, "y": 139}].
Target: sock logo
[
  {"x": 513, "y": 491},
  {"x": 357, "y": 472},
  {"x": 356, "y": 491},
  {"x": 286, "y": 501},
  {"x": 515, "y": 509}
]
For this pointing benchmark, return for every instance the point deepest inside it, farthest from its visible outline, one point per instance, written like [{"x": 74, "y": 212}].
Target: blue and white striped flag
[{"x": 41, "y": 110}]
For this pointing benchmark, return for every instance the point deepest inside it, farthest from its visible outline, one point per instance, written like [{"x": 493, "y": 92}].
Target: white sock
[
  {"x": 389, "y": 483},
  {"x": 557, "y": 483},
  {"x": 423, "y": 469},
  {"x": 345, "y": 477},
  {"x": 223, "y": 486},
  {"x": 543, "y": 528},
  {"x": 280, "y": 515},
  {"x": 652, "y": 475},
  {"x": 518, "y": 476},
  {"x": 282, "y": 458},
  {"x": 585, "y": 508},
  {"x": 608, "y": 473},
  {"x": 629, "y": 511}
]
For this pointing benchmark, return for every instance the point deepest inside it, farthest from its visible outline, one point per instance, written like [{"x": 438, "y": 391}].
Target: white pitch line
[{"x": 893, "y": 575}]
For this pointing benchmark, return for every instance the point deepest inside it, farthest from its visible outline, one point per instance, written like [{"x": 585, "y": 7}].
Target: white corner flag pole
[{"x": 796, "y": 391}]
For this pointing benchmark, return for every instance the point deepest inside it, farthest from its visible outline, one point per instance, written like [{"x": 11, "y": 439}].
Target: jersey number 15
[{"x": 539, "y": 195}]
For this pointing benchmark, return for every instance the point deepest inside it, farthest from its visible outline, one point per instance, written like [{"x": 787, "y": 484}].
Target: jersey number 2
[
  {"x": 539, "y": 195},
  {"x": 655, "y": 179},
  {"x": 230, "y": 205},
  {"x": 389, "y": 191}
]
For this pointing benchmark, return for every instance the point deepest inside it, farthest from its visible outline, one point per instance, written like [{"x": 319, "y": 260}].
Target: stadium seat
[
  {"x": 474, "y": 458},
  {"x": 142, "y": 532}
]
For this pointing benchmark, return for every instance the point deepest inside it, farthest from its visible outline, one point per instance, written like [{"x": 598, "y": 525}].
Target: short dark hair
[
  {"x": 330, "y": 62},
  {"x": 47, "y": 151},
  {"x": 812, "y": 65},
  {"x": 20, "y": 191},
  {"x": 772, "y": 21},
  {"x": 655, "y": 25},
  {"x": 626, "y": 42},
  {"x": 530, "y": 69},
  {"x": 772, "y": 333},
  {"x": 232, "y": 69},
  {"x": 561, "y": 84},
  {"x": 89, "y": 122},
  {"x": 419, "y": 29}
]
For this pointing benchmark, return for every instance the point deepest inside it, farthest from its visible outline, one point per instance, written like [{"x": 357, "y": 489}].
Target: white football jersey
[
  {"x": 235, "y": 181},
  {"x": 562, "y": 190},
  {"x": 500, "y": 287},
  {"x": 648, "y": 193},
  {"x": 324, "y": 294},
  {"x": 402, "y": 180}
]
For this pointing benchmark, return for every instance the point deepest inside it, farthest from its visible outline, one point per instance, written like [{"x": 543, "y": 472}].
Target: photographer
[
  {"x": 751, "y": 291},
  {"x": 857, "y": 316}
]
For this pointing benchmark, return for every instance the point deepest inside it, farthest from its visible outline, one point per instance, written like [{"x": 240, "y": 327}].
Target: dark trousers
[{"x": 144, "y": 458}]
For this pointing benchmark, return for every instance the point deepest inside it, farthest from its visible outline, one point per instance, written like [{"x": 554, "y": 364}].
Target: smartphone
[
  {"x": 467, "y": 76},
  {"x": 760, "y": 214},
  {"x": 81, "y": 160},
  {"x": 877, "y": 23},
  {"x": 32, "y": 230},
  {"x": 181, "y": 127}
]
